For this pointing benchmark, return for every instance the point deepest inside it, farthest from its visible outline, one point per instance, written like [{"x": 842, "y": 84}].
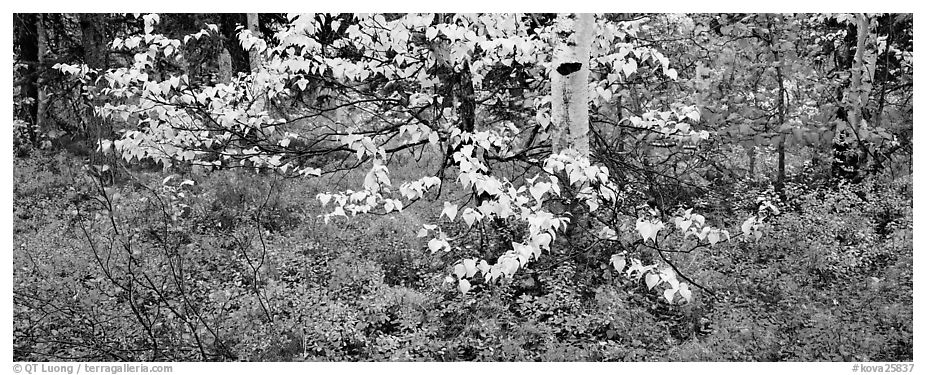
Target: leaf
[
  {"x": 652, "y": 280},
  {"x": 422, "y": 233},
  {"x": 543, "y": 119},
  {"x": 629, "y": 67},
  {"x": 714, "y": 237},
  {"x": 698, "y": 218},
  {"x": 747, "y": 225},
  {"x": 436, "y": 244},
  {"x": 703, "y": 233},
  {"x": 605, "y": 93},
  {"x": 684, "y": 291},
  {"x": 464, "y": 286},
  {"x": 648, "y": 229},
  {"x": 450, "y": 210},
  {"x": 470, "y": 266},
  {"x": 619, "y": 262},
  {"x": 538, "y": 190},
  {"x": 470, "y": 216},
  {"x": 483, "y": 267},
  {"x": 669, "y": 294},
  {"x": 683, "y": 224},
  {"x": 302, "y": 83},
  {"x": 606, "y": 233},
  {"x": 430, "y": 33},
  {"x": 459, "y": 270}
]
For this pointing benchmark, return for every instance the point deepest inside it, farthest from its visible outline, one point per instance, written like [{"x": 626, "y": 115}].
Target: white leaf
[
  {"x": 542, "y": 240},
  {"x": 607, "y": 233},
  {"x": 470, "y": 266},
  {"x": 302, "y": 83},
  {"x": 648, "y": 229},
  {"x": 630, "y": 67},
  {"x": 714, "y": 237},
  {"x": 470, "y": 216},
  {"x": 669, "y": 294},
  {"x": 747, "y": 225},
  {"x": 538, "y": 190},
  {"x": 459, "y": 270},
  {"x": 464, "y": 286},
  {"x": 422, "y": 233},
  {"x": 483, "y": 267},
  {"x": 435, "y": 244},
  {"x": 703, "y": 233},
  {"x": 685, "y": 224},
  {"x": 652, "y": 280},
  {"x": 618, "y": 261},
  {"x": 450, "y": 210},
  {"x": 698, "y": 218},
  {"x": 684, "y": 291}
]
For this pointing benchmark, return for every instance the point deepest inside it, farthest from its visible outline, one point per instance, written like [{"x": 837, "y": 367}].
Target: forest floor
[{"x": 239, "y": 266}]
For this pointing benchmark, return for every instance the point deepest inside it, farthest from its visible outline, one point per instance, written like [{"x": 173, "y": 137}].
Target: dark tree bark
[
  {"x": 27, "y": 40},
  {"x": 42, "y": 43},
  {"x": 239, "y": 57},
  {"x": 93, "y": 40}
]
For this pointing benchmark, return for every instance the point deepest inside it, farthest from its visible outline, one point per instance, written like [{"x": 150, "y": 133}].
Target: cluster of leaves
[
  {"x": 187, "y": 263},
  {"x": 325, "y": 293},
  {"x": 227, "y": 124}
]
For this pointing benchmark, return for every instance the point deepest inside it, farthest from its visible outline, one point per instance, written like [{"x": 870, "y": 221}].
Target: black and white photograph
[{"x": 460, "y": 187}]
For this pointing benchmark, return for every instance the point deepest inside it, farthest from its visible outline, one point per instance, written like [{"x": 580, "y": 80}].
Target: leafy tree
[{"x": 368, "y": 90}]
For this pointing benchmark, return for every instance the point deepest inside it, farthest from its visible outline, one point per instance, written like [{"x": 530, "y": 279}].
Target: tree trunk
[
  {"x": 226, "y": 66},
  {"x": 239, "y": 57},
  {"x": 782, "y": 112},
  {"x": 254, "y": 58},
  {"x": 93, "y": 41},
  {"x": 569, "y": 87},
  {"x": 29, "y": 56},
  {"x": 849, "y": 156},
  {"x": 41, "y": 38},
  {"x": 96, "y": 56},
  {"x": 569, "y": 94},
  {"x": 856, "y": 97}
]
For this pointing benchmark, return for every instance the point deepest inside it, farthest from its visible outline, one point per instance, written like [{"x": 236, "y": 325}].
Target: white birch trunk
[{"x": 569, "y": 87}]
